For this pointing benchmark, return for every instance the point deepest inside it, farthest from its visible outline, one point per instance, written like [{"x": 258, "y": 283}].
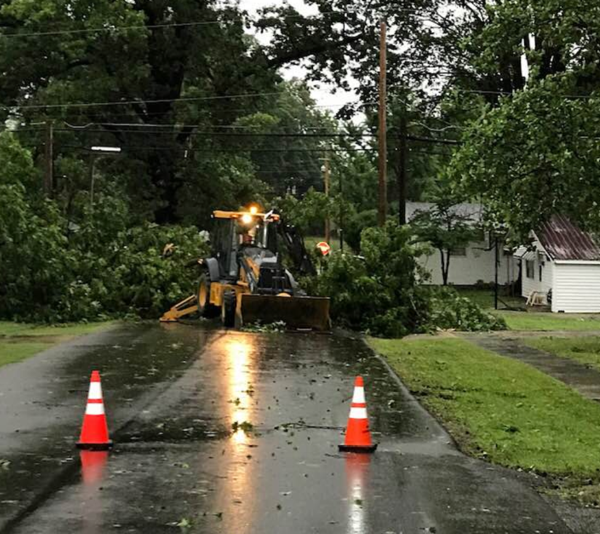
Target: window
[
  {"x": 529, "y": 269},
  {"x": 459, "y": 251},
  {"x": 541, "y": 270}
]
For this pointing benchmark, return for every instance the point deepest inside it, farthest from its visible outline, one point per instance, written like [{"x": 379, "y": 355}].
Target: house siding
[
  {"x": 535, "y": 284},
  {"x": 576, "y": 288},
  {"x": 477, "y": 265}
]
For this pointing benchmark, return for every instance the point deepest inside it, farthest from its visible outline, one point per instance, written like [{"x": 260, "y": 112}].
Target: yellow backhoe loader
[{"x": 245, "y": 281}]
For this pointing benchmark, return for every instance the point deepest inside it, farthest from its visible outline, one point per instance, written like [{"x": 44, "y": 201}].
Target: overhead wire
[
  {"x": 162, "y": 101},
  {"x": 226, "y": 150},
  {"x": 172, "y": 25}
]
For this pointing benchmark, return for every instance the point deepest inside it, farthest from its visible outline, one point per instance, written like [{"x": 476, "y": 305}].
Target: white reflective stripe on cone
[
  {"x": 94, "y": 408},
  {"x": 359, "y": 395},
  {"x": 95, "y": 391},
  {"x": 358, "y": 413}
]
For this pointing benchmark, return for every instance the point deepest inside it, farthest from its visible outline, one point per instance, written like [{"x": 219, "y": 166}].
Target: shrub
[
  {"x": 448, "y": 310},
  {"x": 375, "y": 292},
  {"x": 379, "y": 292},
  {"x": 99, "y": 269}
]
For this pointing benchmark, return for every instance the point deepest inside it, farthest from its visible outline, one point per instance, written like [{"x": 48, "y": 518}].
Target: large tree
[
  {"x": 535, "y": 153},
  {"x": 158, "y": 79}
]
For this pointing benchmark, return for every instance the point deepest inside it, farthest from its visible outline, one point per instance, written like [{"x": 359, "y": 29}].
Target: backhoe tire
[
  {"x": 228, "y": 309},
  {"x": 207, "y": 310}
]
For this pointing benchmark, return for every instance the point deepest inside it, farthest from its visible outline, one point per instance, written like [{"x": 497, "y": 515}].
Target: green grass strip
[
  {"x": 584, "y": 350},
  {"x": 19, "y": 341},
  {"x": 26, "y": 330},
  {"x": 15, "y": 352},
  {"x": 547, "y": 322},
  {"x": 498, "y": 408}
]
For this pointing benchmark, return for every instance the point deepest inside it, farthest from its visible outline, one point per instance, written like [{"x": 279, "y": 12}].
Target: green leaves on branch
[
  {"x": 100, "y": 265},
  {"x": 534, "y": 156},
  {"x": 379, "y": 292}
]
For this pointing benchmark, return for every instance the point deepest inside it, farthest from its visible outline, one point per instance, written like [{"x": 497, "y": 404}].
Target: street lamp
[
  {"x": 98, "y": 152},
  {"x": 112, "y": 149}
]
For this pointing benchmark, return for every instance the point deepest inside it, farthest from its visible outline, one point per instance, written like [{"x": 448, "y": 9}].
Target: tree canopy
[{"x": 496, "y": 98}]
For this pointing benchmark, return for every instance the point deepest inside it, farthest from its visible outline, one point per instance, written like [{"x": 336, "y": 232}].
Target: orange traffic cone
[
  {"x": 358, "y": 435},
  {"x": 94, "y": 433}
]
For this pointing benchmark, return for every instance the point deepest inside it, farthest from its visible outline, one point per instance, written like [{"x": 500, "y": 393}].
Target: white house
[
  {"x": 561, "y": 267},
  {"x": 472, "y": 264}
]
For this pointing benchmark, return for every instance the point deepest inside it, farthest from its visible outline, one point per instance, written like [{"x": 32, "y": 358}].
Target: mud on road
[{"x": 226, "y": 432}]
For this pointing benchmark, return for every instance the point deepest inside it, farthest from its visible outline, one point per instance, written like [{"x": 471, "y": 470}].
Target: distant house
[
  {"x": 561, "y": 268},
  {"x": 472, "y": 264}
]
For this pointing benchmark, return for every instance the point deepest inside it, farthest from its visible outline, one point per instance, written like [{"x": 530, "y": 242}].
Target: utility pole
[
  {"x": 92, "y": 179},
  {"x": 382, "y": 205},
  {"x": 49, "y": 159},
  {"x": 402, "y": 167},
  {"x": 496, "y": 265},
  {"x": 327, "y": 180},
  {"x": 342, "y": 214}
]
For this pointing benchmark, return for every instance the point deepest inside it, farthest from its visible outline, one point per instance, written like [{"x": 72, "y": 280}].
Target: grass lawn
[
  {"x": 531, "y": 321},
  {"x": 503, "y": 410},
  {"x": 485, "y": 298},
  {"x": 547, "y": 322},
  {"x": 585, "y": 350},
  {"x": 20, "y": 341},
  {"x": 15, "y": 352}
]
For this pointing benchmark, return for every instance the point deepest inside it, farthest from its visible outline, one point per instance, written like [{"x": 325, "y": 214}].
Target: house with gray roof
[
  {"x": 470, "y": 265},
  {"x": 561, "y": 268}
]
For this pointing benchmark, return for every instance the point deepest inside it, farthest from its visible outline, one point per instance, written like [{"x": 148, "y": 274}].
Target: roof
[
  {"x": 563, "y": 240},
  {"x": 523, "y": 253},
  {"x": 471, "y": 211}
]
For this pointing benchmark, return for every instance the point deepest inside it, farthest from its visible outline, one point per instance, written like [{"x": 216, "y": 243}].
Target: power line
[
  {"x": 221, "y": 134},
  {"x": 227, "y": 150},
  {"x": 522, "y": 91},
  {"x": 131, "y": 102},
  {"x": 119, "y": 28},
  {"x": 167, "y": 25},
  {"x": 440, "y": 140},
  {"x": 159, "y": 101}
]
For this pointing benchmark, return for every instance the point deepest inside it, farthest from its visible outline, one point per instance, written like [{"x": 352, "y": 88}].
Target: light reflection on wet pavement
[{"x": 226, "y": 432}]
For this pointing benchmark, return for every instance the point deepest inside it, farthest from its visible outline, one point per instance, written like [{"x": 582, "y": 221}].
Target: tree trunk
[{"x": 445, "y": 257}]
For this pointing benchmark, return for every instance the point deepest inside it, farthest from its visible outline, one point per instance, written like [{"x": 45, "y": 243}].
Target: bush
[
  {"x": 132, "y": 277},
  {"x": 379, "y": 293},
  {"x": 101, "y": 268},
  {"x": 448, "y": 310},
  {"x": 375, "y": 292}
]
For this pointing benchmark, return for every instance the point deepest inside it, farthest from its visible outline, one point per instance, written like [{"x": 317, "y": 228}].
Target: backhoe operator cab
[
  {"x": 245, "y": 245},
  {"x": 244, "y": 280}
]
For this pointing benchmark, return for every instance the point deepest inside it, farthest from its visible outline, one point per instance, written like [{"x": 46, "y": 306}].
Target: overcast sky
[{"x": 322, "y": 93}]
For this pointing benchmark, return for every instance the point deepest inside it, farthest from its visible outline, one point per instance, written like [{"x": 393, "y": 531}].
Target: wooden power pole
[
  {"x": 327, "y": 180},
  {"x": 382, "y": 205},
  {"x": 49, "y": 159},
  {"x": 402, "y": 165}
]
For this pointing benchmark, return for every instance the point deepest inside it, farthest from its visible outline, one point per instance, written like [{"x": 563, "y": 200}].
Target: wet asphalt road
[{"x": 174, "y": 394}]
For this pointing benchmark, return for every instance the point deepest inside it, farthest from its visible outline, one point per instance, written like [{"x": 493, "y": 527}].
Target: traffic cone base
[
  {"x": 95, "y": 446},
  {"x": 358, "y": 435},
  {"x": 94, "y": 432},
  {"x": 358, "y": 448}
]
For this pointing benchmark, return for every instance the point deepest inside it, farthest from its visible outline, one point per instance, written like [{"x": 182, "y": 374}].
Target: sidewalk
[{"x": 576, "y": 375}]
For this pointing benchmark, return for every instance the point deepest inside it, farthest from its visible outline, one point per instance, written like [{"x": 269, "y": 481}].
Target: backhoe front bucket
[{"x": 296, "y": 312}]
